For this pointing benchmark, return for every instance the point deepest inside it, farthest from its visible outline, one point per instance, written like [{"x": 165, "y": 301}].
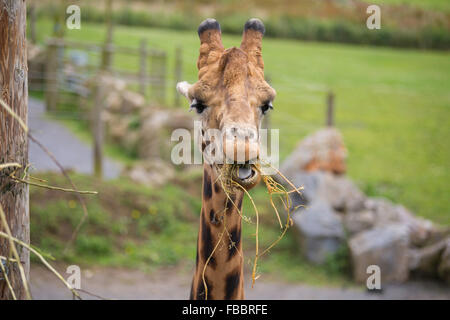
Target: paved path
[
  {"x": 172, "y": 283},
  {"x": 68, "y": 149}
]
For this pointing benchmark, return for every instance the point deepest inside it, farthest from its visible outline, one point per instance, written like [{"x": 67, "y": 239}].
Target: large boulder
[
  {"x": 386, "y": 212},
  {"x": 444, "y": 265},
  {"x": 385, "y": 247},
  {"x": 319, "y": 231},
  {"x": 340, "y": 192},
  {"x": 156, "y": 129},
  {"x": 324, "y": 150},
  {"x": 425, "y": 261},
  {"x": 357, "y": 221},
  {"x": 131, "y": 101},
  {"x": 309, "y": 181},
  {"x": 151, "y": 173}
]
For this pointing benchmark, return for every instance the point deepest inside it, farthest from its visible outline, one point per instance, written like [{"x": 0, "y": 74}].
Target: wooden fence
[{"x": 69, "y": 64}]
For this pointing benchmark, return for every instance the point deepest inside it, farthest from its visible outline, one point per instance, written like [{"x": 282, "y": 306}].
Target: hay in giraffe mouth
[
  {"x": 233, "y": 177},
  {"x": 244, "y": 175}
]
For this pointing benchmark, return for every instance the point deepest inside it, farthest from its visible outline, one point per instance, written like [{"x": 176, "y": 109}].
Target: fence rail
[{"x": 67, "y": 73}]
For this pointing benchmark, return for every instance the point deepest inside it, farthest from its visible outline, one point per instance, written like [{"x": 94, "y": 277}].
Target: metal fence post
[
  {"x": 330, "y": 109},
  {"x": 143, "y": 54}
]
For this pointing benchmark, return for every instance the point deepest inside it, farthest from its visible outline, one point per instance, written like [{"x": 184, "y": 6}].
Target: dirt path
[
  {"x": 172, "y": 283},
  {"x": 68, "y": 149}
]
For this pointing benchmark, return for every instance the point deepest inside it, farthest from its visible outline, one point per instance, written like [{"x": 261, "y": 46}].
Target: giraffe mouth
[{"x": 246, "y": 175}]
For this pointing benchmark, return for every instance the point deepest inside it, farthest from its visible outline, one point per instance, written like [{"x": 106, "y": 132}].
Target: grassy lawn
[
  {"x": 438, "y": 5},
  {"x": 392, "y": 105}
]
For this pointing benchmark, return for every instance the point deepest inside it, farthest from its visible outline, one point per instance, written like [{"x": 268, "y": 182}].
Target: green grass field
[
  {"x": 393, "y": 106},
  {"x": 438, "y": 5}
]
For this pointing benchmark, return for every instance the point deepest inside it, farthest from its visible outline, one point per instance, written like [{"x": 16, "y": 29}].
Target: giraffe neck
[{"x": 218, "y": 244}]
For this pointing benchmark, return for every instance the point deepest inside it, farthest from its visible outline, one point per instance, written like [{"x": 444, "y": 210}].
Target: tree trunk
[{"x": 13, "y": 139}]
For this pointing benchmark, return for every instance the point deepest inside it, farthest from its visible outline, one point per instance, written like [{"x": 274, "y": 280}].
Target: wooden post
[
  {"x": 178, "y": 73},
  {"x": 33, "y": 23},
  {"x": 107, "y": 54},
  {"x": 143, "y": 53},
  {"x": 59, "y": 14},
  {"x": 107, "y": 48},
  {"x": 158, "y": 74},
  {"x": 330, "y": 109},
  {"x": 97, "y": 126},
  {"x": 14, "y": 144},
  {"x": 51, "y": 75}
]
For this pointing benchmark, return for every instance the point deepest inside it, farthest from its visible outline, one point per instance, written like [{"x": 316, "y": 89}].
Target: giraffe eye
[
  {"x": 266, "y": 107},
  {"x": 199, "y": 106}
]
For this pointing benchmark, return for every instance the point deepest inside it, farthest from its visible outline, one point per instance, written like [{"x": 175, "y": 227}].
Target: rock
[
  {"x": 358, "y": 221},
  {"x": 117, "y": 126},
  {"x": 425, "y": 261},
  {"x": 131, "y": 101},
  {"x": 386, "y": 212},
  {"x": 436, "y": 234},
  {"x": 323, "y": 150},
  {"x": 319, "y": 231},
  {"x": 420, "y": 229},
  {"x": 130, "y": 141},
  {"x": 341, "y": 193},
  {"x": 156, "y": 129},
  {"x": 151, "y": 173},
  {"x": 386, "y": 247},
  {"x": 310, "y": 182},
  {"x": 113, "y": 101},
  {"x": 444, "y": 265}
]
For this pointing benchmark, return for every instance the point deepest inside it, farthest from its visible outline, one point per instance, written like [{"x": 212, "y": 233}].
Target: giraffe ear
[
  {"x": 183, "y": 89},
  {"x": 211, "y": 45},
  {"x": 251, "y": 41}
]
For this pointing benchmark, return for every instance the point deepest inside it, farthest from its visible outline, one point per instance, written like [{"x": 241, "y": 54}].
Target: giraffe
[{"x": 232, "y": 96}]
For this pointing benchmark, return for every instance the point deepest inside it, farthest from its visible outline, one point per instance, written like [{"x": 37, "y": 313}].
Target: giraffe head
[{"x": 231, "y": 98}]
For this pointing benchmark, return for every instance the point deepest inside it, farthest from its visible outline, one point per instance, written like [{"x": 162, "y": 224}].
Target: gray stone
[
  {"x": 386, "y": 213},
  {"x": 385, "y": 247},
  {"x": 131, "y": 101},
  {"x": 322, "y": 150},
  {"x": 425, "y": 261},
  {"x": 319, "y": 231},
  {"x": 153, "y": 172},
  {"x": 357, "y": 221},
  {"x": 310, "y": 182},
  {"x": 156, "y": 128},
  {"x": 341, "y": 193},
  {"x": 444, "y": 265}
]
